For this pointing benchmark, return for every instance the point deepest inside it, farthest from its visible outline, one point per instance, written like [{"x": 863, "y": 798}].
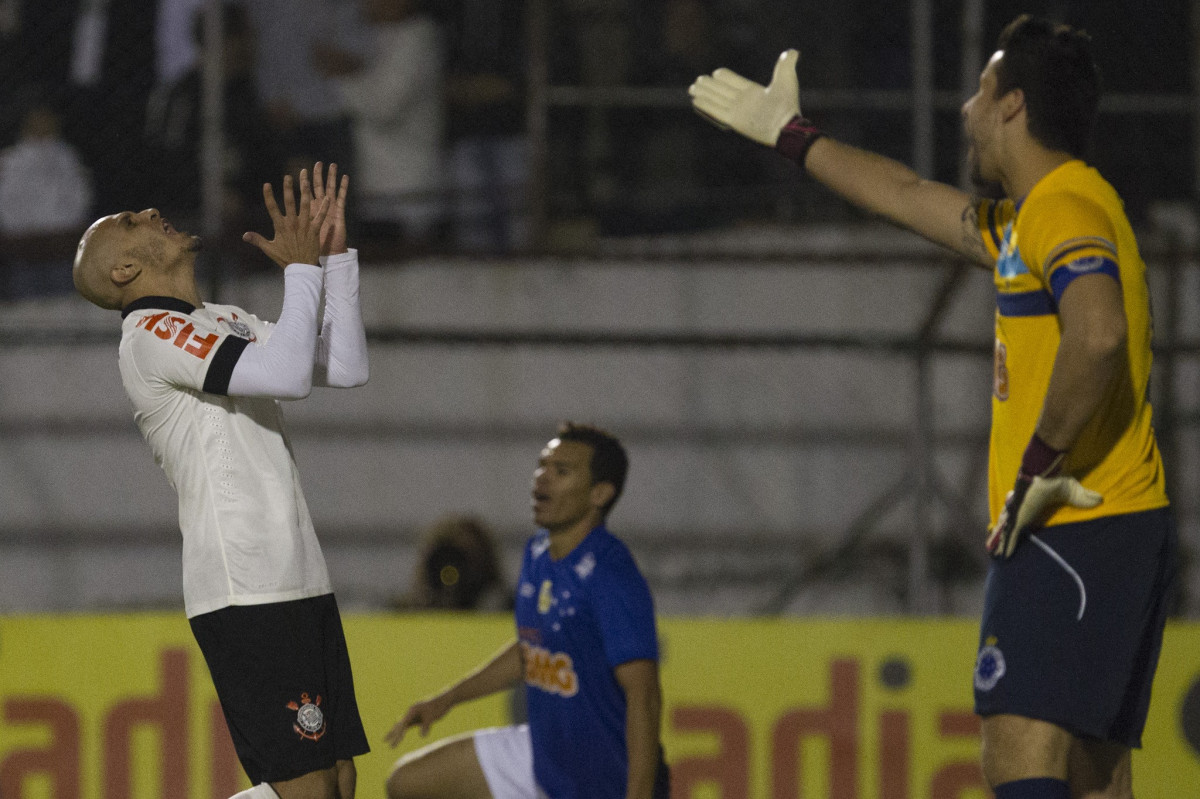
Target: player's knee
[
  {"x": 397, "y": 784},
  {"x": 1014, "y": 748},
  {"x": 415, "y": 777},
  {"x": 447, "y": 769}
]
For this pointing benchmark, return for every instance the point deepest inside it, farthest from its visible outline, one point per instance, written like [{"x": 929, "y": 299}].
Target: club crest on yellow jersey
[
  {"x": 1000, "y": 372},
  {"x": 1009, "y": 264}
]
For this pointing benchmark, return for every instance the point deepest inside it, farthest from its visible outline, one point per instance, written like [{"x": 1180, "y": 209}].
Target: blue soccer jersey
[{"x": 579, "y": 618}]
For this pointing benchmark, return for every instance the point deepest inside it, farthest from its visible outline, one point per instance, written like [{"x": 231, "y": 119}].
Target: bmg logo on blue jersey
[{"x": 553, "y": 672}]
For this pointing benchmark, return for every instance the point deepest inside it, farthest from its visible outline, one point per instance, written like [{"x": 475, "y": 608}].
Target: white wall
[{"x": 745, "y": 462}]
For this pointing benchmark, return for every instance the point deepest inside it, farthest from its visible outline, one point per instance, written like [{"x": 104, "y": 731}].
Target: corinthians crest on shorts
[{"x": 310, "y": 721}]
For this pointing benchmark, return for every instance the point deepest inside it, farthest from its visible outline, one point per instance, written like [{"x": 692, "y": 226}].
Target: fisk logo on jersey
[
  {"x": 180, "y": 332},
  {"x": 553, "y": 672}
]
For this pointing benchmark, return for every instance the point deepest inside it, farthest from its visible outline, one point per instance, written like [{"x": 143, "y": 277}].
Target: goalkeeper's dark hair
[
  {"x": 1052, "y": 65},
  {"x": 609, "y": 463}
]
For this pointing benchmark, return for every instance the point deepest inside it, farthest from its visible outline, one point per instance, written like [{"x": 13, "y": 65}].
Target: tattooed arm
[{"x": 941, "y": 213}]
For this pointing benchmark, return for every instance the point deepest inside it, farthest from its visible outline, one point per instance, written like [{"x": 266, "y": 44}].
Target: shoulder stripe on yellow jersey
[
  {"x": 1025, "y": 303},
  {"x": 1082, "y": 252},
  {"x": 1090, "y": 265},
  {"x": 1075, "y": 245}
]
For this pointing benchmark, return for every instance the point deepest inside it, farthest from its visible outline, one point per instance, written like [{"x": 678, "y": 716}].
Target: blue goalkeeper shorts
[{"x": 1073, "y": 623}]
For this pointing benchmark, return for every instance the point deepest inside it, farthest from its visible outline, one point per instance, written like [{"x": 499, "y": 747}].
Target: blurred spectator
[
  {"x": 485, "y": 97},
  {"x": 458, "y": 569},
  {"x": 304, "y": 105},
  {"x": 688, "y": 41},
  {"x": 393, "y": 91},
  {"x": 176, "y": 48},
  {"x": 45, "y": 201},
  {"x": 174, "y": 133},
  {"x": 674, "y": 169},
  {"x": 603, "y": 33},
  {"x": 35, "y": 50},
  {"x": 112, "y": 74}
]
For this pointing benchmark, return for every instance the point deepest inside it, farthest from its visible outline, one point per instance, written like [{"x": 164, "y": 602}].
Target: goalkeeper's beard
[{"x": 984, "y": 187}]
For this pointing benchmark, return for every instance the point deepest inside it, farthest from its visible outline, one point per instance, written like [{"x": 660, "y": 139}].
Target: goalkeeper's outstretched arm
[
  {"x": 770, "y": 115},
  {"x": 884, "y": 187}
]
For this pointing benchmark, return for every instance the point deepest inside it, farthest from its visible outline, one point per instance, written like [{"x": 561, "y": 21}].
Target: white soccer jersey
[{"x": 247, "y": 535}]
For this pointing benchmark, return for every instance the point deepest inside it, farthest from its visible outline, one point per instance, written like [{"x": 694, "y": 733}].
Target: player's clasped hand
[
  {"x": 757, "y": 112},
  {"x": 297, "y": 231}
]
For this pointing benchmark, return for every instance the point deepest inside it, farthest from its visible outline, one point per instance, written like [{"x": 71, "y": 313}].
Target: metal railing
[{"x": 918, "y": 483}]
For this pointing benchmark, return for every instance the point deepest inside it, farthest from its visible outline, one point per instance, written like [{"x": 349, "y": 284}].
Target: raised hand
[
  {"x": 333, "y": 231},
  {"x": 297, "y": 231},
  {"x": 757, "y": 112}
]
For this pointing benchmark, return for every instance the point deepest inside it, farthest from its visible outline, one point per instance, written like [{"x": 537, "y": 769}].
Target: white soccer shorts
[{"x": 506, "y": 756}]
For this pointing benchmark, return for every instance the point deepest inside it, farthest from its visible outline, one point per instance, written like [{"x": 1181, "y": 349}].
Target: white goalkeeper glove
[
  {"x": 769, "y": 115},
  {"x": 757, "y": 112},
  {"x": 1038, "y": 490}
]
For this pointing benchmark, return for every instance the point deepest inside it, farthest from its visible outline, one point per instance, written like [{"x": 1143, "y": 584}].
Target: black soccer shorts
[
  {"x": 283, "y": 676},
  {"x": 1073, "y": 624}
]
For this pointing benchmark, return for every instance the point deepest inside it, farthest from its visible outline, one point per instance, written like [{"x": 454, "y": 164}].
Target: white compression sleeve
[
  {"x": 342, "y": 346},
  {"x": 282, "y": 366}
]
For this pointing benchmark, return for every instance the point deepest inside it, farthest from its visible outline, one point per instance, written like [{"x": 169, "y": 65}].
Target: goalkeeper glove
[
  {"x": 769, "y": 115},
  {"x": 1038, "y": 490}
]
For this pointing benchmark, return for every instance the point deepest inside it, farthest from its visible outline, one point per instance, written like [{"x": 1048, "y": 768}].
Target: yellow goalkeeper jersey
[{"x": 1071, "y": 224}]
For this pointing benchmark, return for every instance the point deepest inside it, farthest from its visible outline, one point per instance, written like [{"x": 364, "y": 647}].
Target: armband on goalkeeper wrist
[
  {"x": 796, "y": 137},
  {"x": 1040, "y": 459}
]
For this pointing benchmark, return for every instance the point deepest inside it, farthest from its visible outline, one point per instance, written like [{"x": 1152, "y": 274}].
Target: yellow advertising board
[{"x": 121, "y": 707}]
